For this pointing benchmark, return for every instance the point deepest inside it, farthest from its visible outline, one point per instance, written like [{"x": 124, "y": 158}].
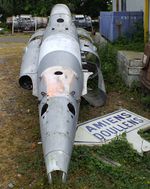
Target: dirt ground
[{"x": 20, "y": 153}]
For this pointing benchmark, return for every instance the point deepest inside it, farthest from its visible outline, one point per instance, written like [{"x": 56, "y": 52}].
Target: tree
[
  {"x": 6, "y": 7},
  {"x": 43, "y": 7},
  {"x": 93, "y": 7}
]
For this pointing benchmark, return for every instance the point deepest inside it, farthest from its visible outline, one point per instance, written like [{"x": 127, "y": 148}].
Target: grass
[
  {"x": 108, "y": 56},
  {"x": 88, "y": 171},
  {"x": 134, "y": 42},
  {"x": 21, "y": 157},
  {"x": 145, "y": 134},
  {"x": 127, "y": 44},
  {"x": 114, "y": 82}
]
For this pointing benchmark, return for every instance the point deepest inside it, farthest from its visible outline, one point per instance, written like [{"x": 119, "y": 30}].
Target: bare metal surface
[
  {"x": 26, "y": 22},
  {"x": 91, "y": 62},
  {"x": 37, "y": 35},
  {"x": 53, "y": 67},
  {"x": 84, "y": 34}
]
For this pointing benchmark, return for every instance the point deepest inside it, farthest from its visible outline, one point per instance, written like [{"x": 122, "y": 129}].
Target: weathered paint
[
  {"x": 146, "y": 20},
  {"x": 137, "y": 5},
  {"x": 131, "y": 5},
  {"x": 130, "y": 65}
]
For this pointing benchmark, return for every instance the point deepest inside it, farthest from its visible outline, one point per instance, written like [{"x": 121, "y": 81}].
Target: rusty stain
[{"x": 57, "y": 84}]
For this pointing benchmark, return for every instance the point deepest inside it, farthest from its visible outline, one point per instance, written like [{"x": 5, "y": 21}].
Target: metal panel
[
  {"x": 28, "y": 73},
  {"x": 116, "y": 24},
  {"x": 53, "y": 67}
]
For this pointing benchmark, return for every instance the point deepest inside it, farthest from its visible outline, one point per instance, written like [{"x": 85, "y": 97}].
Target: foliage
[
  {"x": 22, "y": 158},
  {"x": 145, "y": 99},
  {"x": 87, "y": 170},
  {"x": 43, "y": 7},
  {"x": 134, "y": 41},
  {"x": 108, "y": 57},
  {"x": 145, "y": 134},
  {"x": 93, "y": 7},
  {"x": 113, "y": 80}
]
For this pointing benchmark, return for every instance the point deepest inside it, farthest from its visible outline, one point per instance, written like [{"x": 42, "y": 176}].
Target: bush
[
  {"x": 146, "y": 101},
  {"x": 108, "y": 57},
  {"x": 133, "y": 41}
]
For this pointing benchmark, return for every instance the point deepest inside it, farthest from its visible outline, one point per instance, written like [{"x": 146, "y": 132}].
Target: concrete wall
[
  {"x": 135, "y": 5},
  {"x": 131, "y": 5}
]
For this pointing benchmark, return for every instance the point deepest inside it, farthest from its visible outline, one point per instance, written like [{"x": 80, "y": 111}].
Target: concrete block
[
  {"x": 131, "y": 58},
  {"x": 130, "y": 64}
]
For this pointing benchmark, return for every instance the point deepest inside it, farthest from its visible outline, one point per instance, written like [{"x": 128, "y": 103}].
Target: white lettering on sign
[{"x": 112, "y": 125}]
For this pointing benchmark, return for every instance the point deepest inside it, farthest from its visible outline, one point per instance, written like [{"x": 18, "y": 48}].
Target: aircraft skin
[{"x": 54, "y": 67}]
